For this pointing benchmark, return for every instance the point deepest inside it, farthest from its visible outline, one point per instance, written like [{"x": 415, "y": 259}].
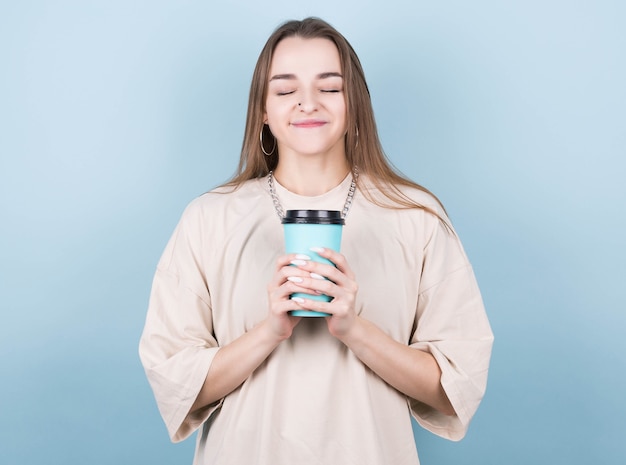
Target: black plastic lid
[{"x": 313, "y": 217}]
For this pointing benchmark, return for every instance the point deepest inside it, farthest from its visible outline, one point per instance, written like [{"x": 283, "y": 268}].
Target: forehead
[{"x": 305, "y": 57}]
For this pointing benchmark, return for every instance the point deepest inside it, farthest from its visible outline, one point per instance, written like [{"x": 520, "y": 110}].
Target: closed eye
[
  {"x": 280, "y": 94},
  {"x": 330, "y": 91}
]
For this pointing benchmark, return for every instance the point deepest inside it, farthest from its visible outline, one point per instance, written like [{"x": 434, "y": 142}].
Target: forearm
[
  {"x": 411, "y": 371},
  {"x": 234, "y": 363}
]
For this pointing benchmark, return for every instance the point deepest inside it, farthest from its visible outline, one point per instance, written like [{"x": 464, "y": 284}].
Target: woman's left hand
[
  {"x": 340, "y": 283},
  {"x": 414, "y": 372}
]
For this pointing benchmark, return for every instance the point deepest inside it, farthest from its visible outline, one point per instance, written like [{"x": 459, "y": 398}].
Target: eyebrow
[{"x": 293, "y": 76}]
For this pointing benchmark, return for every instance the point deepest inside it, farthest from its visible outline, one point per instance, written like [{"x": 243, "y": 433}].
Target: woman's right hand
[
  {"x": 282, "y": 285},
  {"x": 235, "y": 361}
]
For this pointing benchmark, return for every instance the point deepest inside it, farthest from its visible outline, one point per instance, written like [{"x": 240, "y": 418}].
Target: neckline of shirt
[{"x": 332, "y": 199}]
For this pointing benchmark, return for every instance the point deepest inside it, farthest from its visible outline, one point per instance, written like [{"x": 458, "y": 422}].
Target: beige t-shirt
[{"x": 312, "y": 401}]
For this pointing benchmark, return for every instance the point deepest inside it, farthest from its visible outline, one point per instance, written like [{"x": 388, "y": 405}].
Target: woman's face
[{"x": 305, "y": 106}]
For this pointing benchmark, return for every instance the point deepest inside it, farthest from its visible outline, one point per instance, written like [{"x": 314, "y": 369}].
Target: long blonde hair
[{"x": 362, "y": 145}]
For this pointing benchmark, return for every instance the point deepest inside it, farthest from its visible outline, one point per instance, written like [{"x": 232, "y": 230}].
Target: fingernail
[
  {"x": 317, "y": 276},
  {"x": 301, "y": 256},
  {"x": 298, "y": 262},
  {"x": 294, "y": 279},
  {"x": 318, "y": 249},
  {"x": 299, "y": 300}
]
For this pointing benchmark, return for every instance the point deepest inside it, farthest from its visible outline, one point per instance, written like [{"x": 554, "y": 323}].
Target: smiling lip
[{"x": 309, "y": 123}]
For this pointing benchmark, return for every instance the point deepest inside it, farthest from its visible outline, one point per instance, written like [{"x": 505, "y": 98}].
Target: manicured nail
[
  {"x": 298, "y": 262},
  {"x": 299, "y": 300},
  {"x": 316, "y": 276},
  {"x": 294, "y": 279},
  {"x": 301, "y": 256},
  {"x": 318, "y": 249}
]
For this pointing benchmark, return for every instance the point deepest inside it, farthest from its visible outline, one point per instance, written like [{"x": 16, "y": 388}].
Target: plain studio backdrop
[{"x": 114, "y": 115}]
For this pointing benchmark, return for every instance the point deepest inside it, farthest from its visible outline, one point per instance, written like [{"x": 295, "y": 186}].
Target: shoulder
[
  {"x": 397, "y": 196},
  {"x": 223, "y": 198},
  {"x": 222, "y": 208}
]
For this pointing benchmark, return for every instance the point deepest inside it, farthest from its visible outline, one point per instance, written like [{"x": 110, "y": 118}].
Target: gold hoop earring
[
  {"x": 357, "y": 138},
  {"x": 267, "y": 154}
]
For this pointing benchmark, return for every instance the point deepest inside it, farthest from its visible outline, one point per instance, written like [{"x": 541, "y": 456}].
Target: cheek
[
  {"x": 340, "y": 111},
  {"x": 340, "y": 107},
  {"x": 275, "y": 112}
]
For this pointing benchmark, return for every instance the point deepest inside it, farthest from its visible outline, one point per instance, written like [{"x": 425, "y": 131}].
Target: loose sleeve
[
  {"x": 177, "y": 346},
  {"x": 452, "y": 325}
]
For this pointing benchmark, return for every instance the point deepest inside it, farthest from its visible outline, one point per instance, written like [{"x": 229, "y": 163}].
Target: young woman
[{"x": 407, "y": 331}]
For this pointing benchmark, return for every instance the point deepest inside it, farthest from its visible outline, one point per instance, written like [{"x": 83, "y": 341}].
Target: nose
[{"x": 308, "y": 102}]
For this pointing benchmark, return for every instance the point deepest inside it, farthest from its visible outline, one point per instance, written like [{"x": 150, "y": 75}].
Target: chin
[{"x": 313, "y": 150}]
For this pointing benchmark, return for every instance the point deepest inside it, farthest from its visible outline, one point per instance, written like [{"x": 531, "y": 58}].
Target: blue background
[{"x": 114, "y": 115}]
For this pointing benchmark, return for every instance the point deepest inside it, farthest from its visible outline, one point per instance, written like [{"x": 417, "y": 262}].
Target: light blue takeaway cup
[{"x": 312, "y": 228}]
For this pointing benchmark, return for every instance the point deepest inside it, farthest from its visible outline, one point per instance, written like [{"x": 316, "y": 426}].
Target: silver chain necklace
[{"x": 346, "y": 207}]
